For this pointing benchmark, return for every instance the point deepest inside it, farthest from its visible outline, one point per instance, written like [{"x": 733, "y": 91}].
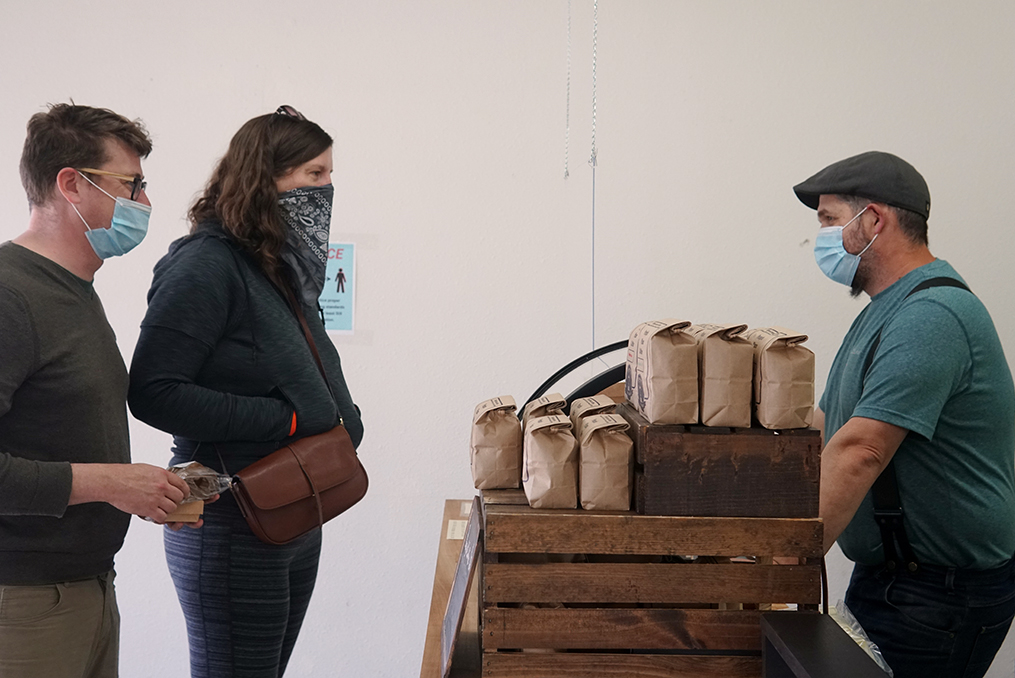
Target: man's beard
[
  {"x": 860, "y": 278},
  {"x": 857, "y": 287}
]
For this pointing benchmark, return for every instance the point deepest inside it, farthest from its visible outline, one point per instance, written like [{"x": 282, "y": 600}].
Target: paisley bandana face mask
[{"x": 307, "y": 214}]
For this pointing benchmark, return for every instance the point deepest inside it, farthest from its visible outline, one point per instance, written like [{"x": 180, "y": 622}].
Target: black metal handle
[{"x": 586, "y": 388}]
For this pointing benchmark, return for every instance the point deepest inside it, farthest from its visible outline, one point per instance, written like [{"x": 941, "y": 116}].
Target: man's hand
[
  {"x": 850, "y": 463},
  {"x": 142, "y": 489}
]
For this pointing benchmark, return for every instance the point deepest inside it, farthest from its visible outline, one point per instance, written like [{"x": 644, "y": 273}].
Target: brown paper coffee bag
[
  {"x": 662, "y": 372},
  {"x": 606, "y": 455},
  {"x": 783, "y": 378},
  {"x": 496, "y": 445},
  {"x": 587, "y": 407},
  {"x": 725, "y": 368},
  {"x": 550, "y": 467}
]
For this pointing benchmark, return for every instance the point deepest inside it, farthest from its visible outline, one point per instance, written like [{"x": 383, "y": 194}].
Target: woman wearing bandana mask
[{"x": 222, "y": 364}]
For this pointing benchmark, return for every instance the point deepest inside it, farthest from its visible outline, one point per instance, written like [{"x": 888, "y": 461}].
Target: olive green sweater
[{"x": 63, "y": 391}]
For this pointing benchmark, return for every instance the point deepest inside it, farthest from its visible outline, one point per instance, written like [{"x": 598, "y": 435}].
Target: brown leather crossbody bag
[{"x": 305, "y": 483}]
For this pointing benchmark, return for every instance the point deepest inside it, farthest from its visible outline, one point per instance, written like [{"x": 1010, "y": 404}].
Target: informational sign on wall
[{"x": 338, "y": 299}]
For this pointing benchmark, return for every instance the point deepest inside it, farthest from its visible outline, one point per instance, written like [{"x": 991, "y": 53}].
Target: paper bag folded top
[
  {"x": 606, "y": 455},
  {"x": 553, "y": 403},
  {"x": 587, "y": 407},
  {"x": 550, "y": 471},
  {"x": 725, "y": 367},
  {"x": 496, "y": 449},
  {"x": 783, "y": 378},
  {"x": 662, "y": 372}
]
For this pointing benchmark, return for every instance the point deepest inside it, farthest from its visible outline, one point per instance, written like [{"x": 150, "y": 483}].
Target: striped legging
[{"x": 244, "y": 600}]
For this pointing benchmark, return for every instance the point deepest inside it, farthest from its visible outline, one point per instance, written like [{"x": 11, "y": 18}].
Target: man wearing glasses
[{"x": 67, "y": 488}]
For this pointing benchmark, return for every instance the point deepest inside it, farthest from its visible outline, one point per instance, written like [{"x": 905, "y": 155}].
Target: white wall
[{"x": 474, "y": 252}]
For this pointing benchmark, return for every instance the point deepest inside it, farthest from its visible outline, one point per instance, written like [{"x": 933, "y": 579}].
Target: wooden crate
[
  {"x": 630, "y": 606},
  {"x": 706, "y": 471}
]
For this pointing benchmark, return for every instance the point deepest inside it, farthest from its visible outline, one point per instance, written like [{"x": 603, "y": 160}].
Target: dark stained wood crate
[
  {"x": 569, "y": 593},
  {"x": 705, "y": 471}
]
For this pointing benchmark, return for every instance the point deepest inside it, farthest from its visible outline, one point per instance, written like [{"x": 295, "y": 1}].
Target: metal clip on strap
[{"x": 893, "y": 534}]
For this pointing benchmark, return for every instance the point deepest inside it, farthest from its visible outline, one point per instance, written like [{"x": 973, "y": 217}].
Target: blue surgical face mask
[
  {"x": 832, "y": 257},
  {"x": 126, "y": 230}
]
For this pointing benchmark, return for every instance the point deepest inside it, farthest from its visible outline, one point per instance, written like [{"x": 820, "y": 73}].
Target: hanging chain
[
  {"x": 567, "y": 109},
  {"x": 595, "y": 40},
  {"x": 567, "y": 138},
  {"x": 592, "y": 161}
]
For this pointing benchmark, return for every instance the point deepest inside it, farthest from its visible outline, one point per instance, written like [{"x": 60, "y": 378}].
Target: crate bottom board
[
  {"x": 649, "y": 583},
  {"x": 600, "y": 665},
  {"x": 622, "y": 628}
]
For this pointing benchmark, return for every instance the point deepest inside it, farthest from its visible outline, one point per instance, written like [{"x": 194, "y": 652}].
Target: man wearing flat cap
[{"x": 918, "y": 417}]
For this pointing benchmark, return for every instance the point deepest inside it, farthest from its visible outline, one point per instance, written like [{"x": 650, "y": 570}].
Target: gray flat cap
[{"x": 877, "y": 176}]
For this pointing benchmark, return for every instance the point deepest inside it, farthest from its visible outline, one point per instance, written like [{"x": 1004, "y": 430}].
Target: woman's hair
[{"x": 241, "y": 193}]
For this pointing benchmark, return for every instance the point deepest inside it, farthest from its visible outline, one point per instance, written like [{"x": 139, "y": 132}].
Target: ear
[
  {"x": 69, "y": 184},
  {"x": 881, "y": 215}
]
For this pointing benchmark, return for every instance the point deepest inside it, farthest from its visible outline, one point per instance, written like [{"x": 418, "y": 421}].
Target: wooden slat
[
  {"x": 650, "y": 583},
  {"x": 584, "y": 665},
  {"x": 621, "y": 628},
  {"x": 520, "y": 529},
  {"x": 658, "y": 443},
  {"x": 749, "y": 486},
  {"x": 640, "y": 429}
]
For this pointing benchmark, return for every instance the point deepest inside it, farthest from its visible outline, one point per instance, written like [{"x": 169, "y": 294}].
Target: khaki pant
[{"x": 68, "y": 630}]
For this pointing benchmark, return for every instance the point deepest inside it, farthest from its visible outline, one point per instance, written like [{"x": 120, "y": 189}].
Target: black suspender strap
[
  {"x": 885, "y": 492},
  {"x": 937, "y": 282},
  {"x": 888, "y": 515}
]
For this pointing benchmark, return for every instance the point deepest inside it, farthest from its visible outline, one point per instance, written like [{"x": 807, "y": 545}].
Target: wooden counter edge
[{"x": 466, "y": 661}]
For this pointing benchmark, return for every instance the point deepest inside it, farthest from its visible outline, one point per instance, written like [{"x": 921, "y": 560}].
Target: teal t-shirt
[{"x": 939, "y": 372}]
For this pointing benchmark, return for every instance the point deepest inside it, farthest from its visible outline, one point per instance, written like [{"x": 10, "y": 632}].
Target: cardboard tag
[
  {"x": 456, "y": 529},
  {"x": 190, "y": 512}
]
